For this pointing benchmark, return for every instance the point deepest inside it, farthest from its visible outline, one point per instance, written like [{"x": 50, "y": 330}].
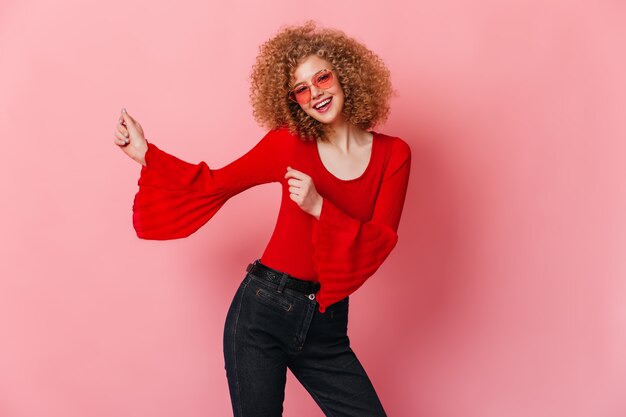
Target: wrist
[
  {"x": 318, "y": 208},
  {"x": 141, "y": 159},
  {"x": 141, "y": 154}
]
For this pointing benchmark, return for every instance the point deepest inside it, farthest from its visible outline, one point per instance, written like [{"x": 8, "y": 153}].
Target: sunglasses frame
[{"x": 291, "y": 94}]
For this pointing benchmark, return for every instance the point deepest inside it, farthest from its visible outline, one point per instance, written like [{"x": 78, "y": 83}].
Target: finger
[
  {"x": 293, "y": 197},
  {"x": 131, "y": 125},
  {"x": 128, "y": 120},
  {"x": 294, "y": 173},
  {"x": 294, "y": 190},
  {"x": 295, "y": 182},
  {"x": 119, "y": 142},
  {"x": 121, "y": 137},
  {"x": 122, "y": 129}
]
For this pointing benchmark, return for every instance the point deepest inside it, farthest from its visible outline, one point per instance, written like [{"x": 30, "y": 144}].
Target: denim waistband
[{"x": 282, "y": 279}]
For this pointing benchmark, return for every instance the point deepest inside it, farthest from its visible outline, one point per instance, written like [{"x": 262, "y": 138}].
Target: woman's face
[{"x": 330, "y": 113}]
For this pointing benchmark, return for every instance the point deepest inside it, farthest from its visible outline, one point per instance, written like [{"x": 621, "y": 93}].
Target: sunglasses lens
[
  {"x": 301, "y": 94},
  {"x": 324, "y": 79}
]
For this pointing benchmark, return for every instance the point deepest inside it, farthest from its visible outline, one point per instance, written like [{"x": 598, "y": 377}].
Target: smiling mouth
[{"x": 323, "y": 105}]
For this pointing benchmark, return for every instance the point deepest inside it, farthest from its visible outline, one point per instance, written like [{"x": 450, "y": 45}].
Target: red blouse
[{"x": 356, "y": 230}]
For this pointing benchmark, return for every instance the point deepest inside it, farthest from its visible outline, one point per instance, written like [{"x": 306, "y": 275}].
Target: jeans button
[{"x": 311, "y": 296}]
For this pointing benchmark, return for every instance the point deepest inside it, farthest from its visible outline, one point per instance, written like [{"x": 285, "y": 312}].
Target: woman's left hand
[{"x": 302, "y": 191}]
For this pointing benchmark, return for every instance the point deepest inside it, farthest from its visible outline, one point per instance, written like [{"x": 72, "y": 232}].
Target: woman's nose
[{"x": 316, "y": 92}]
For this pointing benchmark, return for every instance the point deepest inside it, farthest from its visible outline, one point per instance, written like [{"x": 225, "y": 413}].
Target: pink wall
[{"x": 505, "y": 296}]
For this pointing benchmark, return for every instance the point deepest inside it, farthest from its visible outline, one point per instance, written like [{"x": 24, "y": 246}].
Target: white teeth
[{"x": 322, "y": 103}]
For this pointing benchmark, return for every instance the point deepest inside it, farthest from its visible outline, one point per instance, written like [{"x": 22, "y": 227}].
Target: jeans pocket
[{"x": 271, "y": 299}]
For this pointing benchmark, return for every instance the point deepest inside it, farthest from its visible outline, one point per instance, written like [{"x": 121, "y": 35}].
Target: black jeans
[{"x": 267, "y": 331}]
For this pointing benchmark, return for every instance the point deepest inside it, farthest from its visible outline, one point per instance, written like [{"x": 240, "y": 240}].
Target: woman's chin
[{"x": 329, "y": 119}]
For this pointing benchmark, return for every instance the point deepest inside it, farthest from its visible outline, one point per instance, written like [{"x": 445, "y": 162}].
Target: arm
[
  {"x": 176, "y": 198},
  {"x": 349, "y": 251}
]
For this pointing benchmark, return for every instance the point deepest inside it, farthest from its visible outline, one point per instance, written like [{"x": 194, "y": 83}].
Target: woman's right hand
[{"x": 130, "y": 138}]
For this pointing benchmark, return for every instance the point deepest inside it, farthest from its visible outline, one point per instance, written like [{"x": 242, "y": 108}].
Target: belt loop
[{"x": 283, "y": 281}]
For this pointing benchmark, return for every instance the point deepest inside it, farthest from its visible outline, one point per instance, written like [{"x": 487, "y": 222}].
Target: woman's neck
[{"x": 344, "y": 134}]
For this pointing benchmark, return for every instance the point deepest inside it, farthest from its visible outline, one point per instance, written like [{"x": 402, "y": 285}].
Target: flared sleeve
[
  {"x": 348, "y": 251},
  {"x": 176, "y": 198}
]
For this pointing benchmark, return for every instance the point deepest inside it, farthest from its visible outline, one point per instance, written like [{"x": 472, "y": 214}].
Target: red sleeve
[
  {"x": 176, "y": 198},
  {"x": 348, "y": 251}
]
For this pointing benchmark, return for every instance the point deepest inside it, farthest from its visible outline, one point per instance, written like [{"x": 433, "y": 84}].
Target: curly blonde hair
[{"x": 364, "y": 78}]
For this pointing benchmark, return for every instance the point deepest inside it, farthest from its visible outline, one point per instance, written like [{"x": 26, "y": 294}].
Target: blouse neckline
[{"x": 367, "y": 168}]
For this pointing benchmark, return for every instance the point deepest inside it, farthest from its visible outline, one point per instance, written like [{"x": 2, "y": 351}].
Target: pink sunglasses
[{"x": 301, "y": 93}]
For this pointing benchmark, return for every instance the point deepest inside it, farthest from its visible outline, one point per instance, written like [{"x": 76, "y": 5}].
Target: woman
[{"x": 343, "y": 188}]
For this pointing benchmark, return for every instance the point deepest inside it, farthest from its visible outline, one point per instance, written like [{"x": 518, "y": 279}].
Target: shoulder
[
  {"x": 277, "y": 140},
  {"x": 397, "y": 153},
  {"x": 396, "y": 146},
  {"x": 283, "y": 136}
]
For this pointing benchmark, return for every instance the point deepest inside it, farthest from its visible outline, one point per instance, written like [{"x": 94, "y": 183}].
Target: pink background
[{"x": 504, "y": 297}]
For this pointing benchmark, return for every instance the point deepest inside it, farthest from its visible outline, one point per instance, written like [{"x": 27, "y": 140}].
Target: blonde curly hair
[{"x": 364, "y": 78}]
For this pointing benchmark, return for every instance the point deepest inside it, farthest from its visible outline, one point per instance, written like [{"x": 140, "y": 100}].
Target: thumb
[
  {"x": 129, "y": 121},
  {"x": 126, "y": 116}
]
